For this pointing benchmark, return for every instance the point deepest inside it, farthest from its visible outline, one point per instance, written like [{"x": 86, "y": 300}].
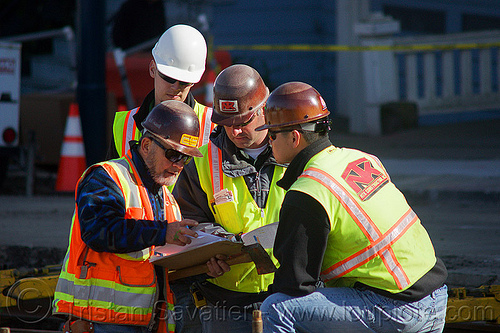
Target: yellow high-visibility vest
[
  {"x": 375, "y": 237},
  {"x": 239, "y": 216},
  {"x": 125, "y": 128}
]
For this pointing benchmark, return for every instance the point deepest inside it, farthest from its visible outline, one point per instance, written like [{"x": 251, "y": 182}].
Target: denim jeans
[
  {"x": 225, "y": 319},
  {"x": 105, "y": 328},
  {"x": 187, "y": 319},
  {"x": 353, "y": 310}
]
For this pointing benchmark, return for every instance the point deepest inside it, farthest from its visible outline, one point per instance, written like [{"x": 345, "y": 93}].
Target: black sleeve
[
  {"x": 190, "y": 197},
  {"x": 300, "y": 244}
]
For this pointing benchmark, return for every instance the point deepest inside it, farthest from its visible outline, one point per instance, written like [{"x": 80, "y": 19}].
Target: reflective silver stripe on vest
[
  {"x": 171, "y": 318},
  {"x": 379, "y": 243},
  {"x": 141, "y": 254},
  {"x": 129, "y": 129},
  {"x": 135, "y": 201},
  {"x": 371, "y": 251},
  {"x": 216, "y": 176},
  {"x": 135, "y": 198},
  {"x": 207, "y": 127},
  {"x": 371, "y": 231},
  {"x": 98, "y": 293}
]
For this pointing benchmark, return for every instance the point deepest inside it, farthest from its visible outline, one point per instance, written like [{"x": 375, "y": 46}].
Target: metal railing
[{"x": 446, "y": 75}]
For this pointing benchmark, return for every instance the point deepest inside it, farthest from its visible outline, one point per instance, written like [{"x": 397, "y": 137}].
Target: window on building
[
  {"x": 480, "y": 22},
  {"x": 417, "y": 21}
]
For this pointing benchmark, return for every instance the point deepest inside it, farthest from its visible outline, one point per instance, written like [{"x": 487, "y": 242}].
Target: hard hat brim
[
  {"x": 291, "y": 123},
  {"x": 233, "y": 120},
  {"x": 263, "y": 127},
  {"x": 179, "y": 74},
  {"x": 191, "y": 151},
  {"x": 238, "y": 118}
]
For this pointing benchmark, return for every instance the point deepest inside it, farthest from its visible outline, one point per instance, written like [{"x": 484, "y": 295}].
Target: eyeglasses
[
  {"x": 172, "y": 80},
  {"x": 173, "y": 155},
  {"x": 246, "y": 122},
  {"x": 272, "y": 134}
]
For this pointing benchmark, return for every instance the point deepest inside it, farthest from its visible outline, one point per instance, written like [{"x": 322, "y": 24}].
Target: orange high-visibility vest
[
  {"x": 375, "y": 237},
  {"x": 125, "y": 128},
  {"x": 111, "y": 287}
]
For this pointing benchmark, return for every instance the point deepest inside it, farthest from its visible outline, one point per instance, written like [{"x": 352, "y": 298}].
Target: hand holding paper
[
  {"x": 177, "y": 232},
  {"x": 193, "y": 258},
  {"x": 217, "y": 265},
  {"x": 223, "y": 196}
]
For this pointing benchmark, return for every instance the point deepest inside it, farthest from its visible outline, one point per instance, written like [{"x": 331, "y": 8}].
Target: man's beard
[{"x": 158, "y": 178}]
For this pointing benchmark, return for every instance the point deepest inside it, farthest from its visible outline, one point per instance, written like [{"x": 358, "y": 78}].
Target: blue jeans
[
  {"x": 225, "y": 319},
  {"x": 353, "y": 310},
  {"x": 104, "y": 328},
  {"x": 187, "y": 319}
]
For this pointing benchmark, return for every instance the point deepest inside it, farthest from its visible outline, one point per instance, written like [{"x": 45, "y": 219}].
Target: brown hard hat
[
  {"x": 293, "y": 103},
  {"x": 176, "y": 124},
  {"x": 239, "y": 92}
]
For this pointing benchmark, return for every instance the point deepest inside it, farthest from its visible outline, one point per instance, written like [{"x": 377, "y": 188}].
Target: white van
[{"x": 10, "y": 83}]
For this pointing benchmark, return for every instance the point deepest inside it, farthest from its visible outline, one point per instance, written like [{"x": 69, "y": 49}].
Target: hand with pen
[{"x": 177, "y": 231}]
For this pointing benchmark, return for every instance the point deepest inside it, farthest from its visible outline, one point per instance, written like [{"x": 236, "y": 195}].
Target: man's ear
[
  {"x": 296, "y": 137},
  {"x": 152, "y": 69},
  {"x": 146, "y": 144}
]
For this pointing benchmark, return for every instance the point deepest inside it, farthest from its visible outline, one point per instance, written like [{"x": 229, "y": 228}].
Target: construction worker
[
  {"x": 123, "y": 209},
  {"x": 353, "y": 255},
  {"x": 178, "y": 63},
  {"x": 179, "y": 59},
  {"x": 238, "y": 163}
]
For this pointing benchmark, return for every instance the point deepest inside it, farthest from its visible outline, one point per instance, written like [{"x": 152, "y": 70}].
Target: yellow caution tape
[{"x": 344, "y": 48}]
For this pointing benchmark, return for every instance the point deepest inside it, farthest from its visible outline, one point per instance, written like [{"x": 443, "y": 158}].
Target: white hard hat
[{"x": 180, "y": 53}]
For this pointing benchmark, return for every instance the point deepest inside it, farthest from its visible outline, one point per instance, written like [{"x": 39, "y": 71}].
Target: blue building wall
[
  {"x": 283, "y": 22},
  {"x": 422, "y": 16},
  {"x": 280, "y": 22}
]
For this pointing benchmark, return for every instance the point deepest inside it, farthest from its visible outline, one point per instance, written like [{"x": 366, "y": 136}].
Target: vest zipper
[{"x": 259, "y": 193}]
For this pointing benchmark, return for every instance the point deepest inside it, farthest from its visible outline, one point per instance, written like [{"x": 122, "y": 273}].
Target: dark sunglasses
[
  {"x": 173, "y": 155},
  {"x": 272, "y": 134},
  {"x": 172, "y": 80},
  {"x": 246, "y": 122}
]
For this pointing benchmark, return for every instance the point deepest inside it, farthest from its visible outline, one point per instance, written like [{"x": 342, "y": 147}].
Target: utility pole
[{"x": 91, "y": 66}]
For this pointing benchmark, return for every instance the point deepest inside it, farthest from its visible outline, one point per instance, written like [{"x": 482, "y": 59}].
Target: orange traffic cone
[{"x": 72, "y": 162}]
